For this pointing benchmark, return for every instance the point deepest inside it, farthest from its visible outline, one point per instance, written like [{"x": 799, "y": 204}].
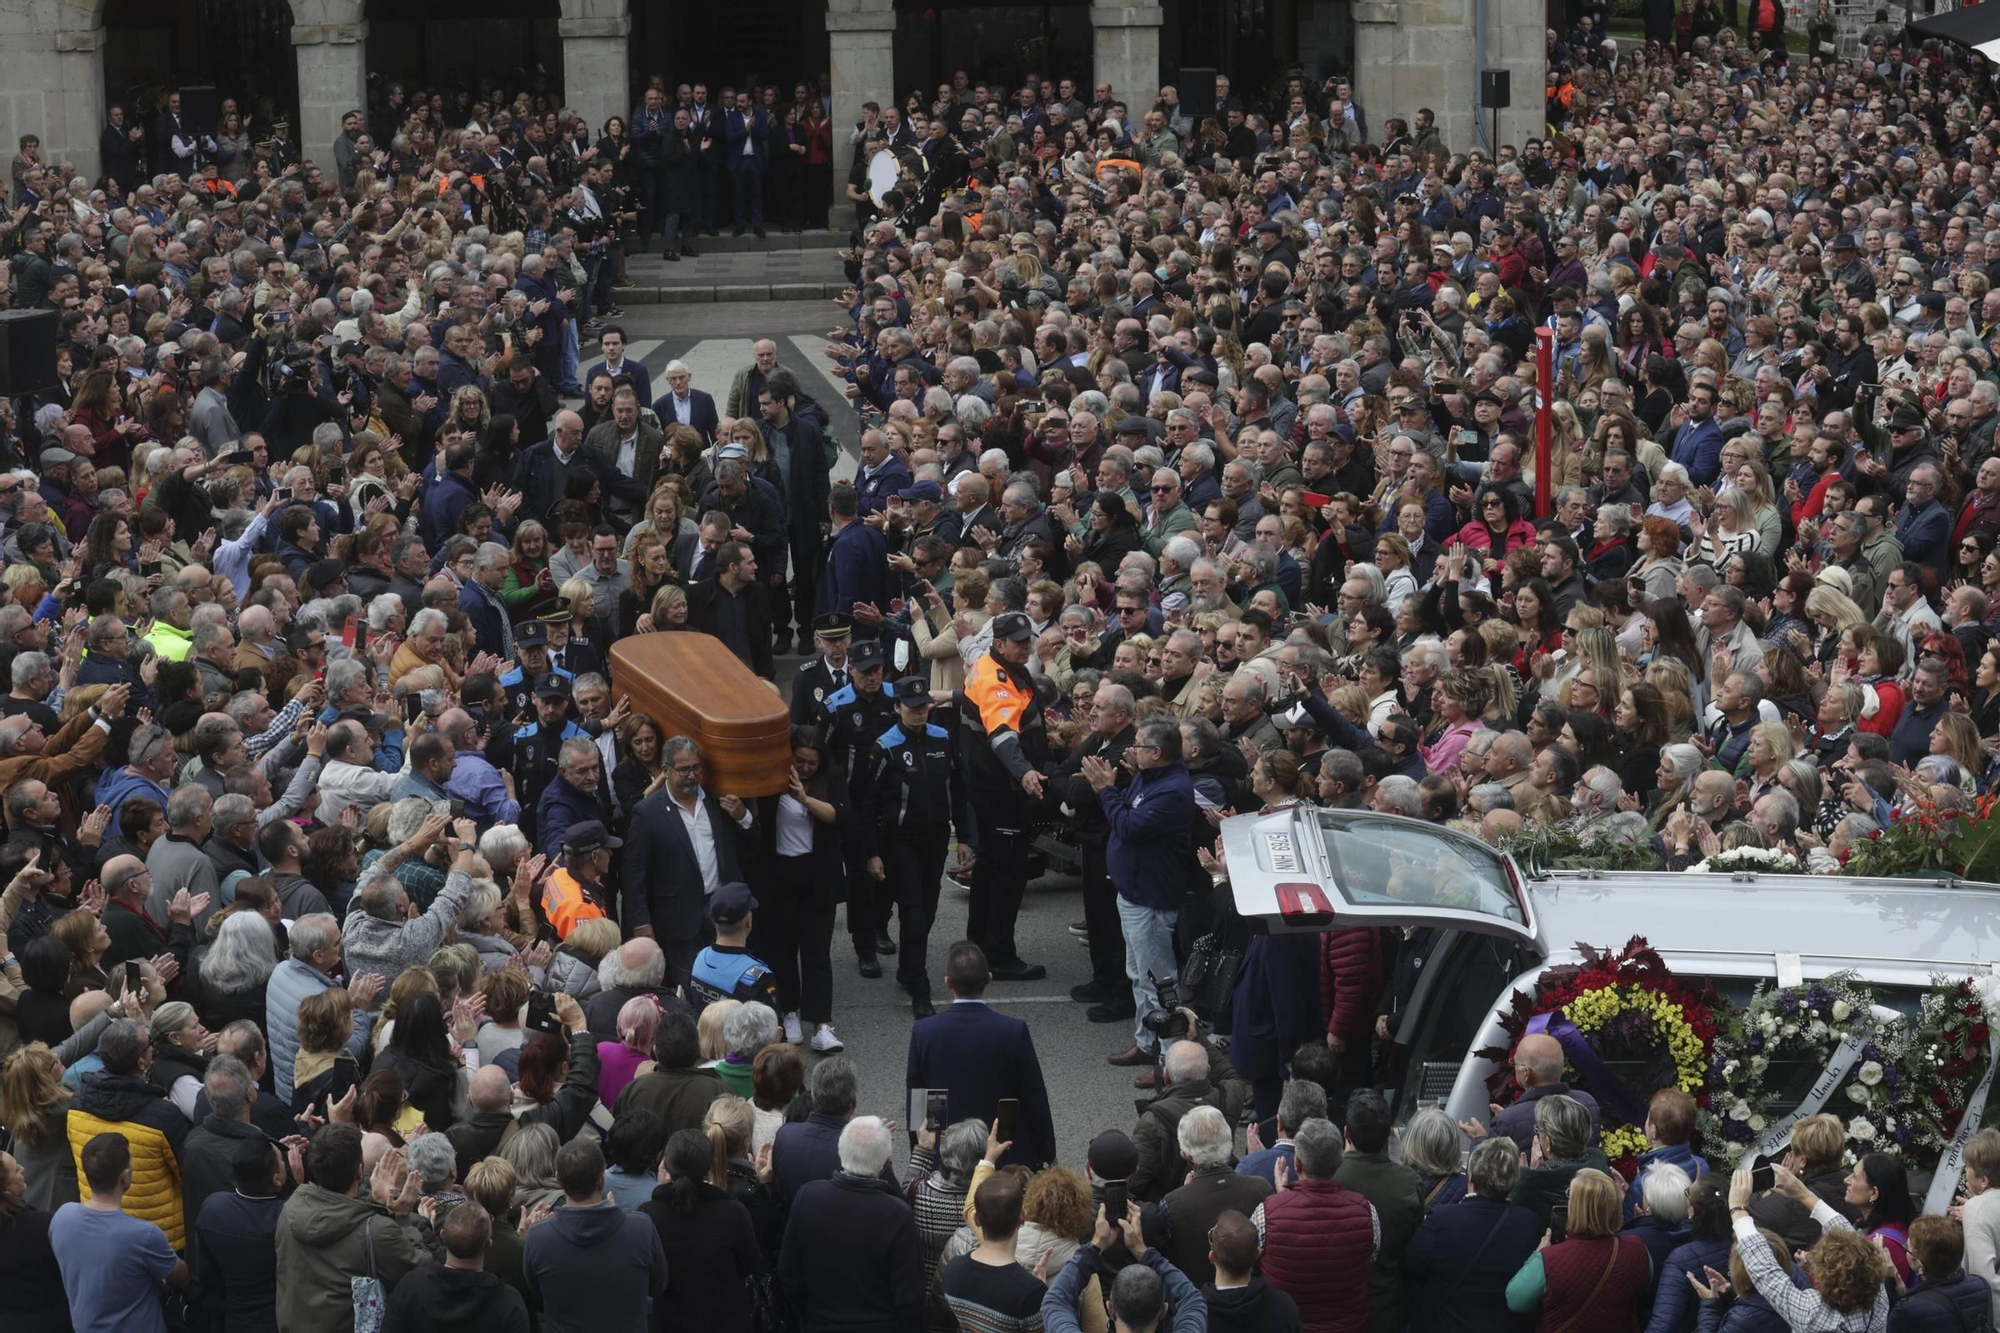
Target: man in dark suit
[
  {"x": 795, "y": 421},
  {"x": 981, "y": 1056},
  {"x": 118, "y": 150},
  {"x": 826, "y": 673},
  {"x": 611, "y": 341},
  {"x": 809, "y": 1149},
  {"x": 682, "y": 844},
  {"x": 735, "y": 608},
  {"x": 628, "y": 446},
  {"x": 682, "y": 405},
  {"x": 745, "y": 130},
  {"x": 857, "y": 560}
]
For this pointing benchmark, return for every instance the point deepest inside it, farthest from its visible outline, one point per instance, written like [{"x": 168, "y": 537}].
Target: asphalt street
[{"x": 873, "y": 1017}]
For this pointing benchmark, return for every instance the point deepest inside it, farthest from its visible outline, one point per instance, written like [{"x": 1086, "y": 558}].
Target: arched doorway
[
  {"x": 240, "y": 48},
  {"x": 450, "y": 44}
]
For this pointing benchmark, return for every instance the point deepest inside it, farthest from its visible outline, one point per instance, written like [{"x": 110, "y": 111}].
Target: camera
[{"x": 1164, "y": 1021}]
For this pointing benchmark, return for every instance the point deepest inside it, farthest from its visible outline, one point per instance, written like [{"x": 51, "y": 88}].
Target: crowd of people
[{"x": 372, "y": 963}]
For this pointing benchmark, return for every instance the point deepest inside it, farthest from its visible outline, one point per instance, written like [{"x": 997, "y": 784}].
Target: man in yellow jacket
[{"x": 119, "y": 1100}]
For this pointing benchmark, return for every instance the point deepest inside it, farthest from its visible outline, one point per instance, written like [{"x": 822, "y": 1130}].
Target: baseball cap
[
  {"x": 322, "y": 572},
  {"x": 531, "y": 634},
  {"x": 549, "y": 685},
  {"x": 923, "y": 490},
  {"x": 592, "y": 836},
  {"x": 914, "y": 691},
  {"x": 1012, "y": 625},
  {"x": 864, "y": 656},
  {"x": 730, "y": 903}
]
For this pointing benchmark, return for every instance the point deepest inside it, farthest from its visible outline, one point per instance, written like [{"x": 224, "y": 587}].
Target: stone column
[
  {"x": 52, "y": 79},
  {"x": 333, "y": 79},
  {"x": 75, "y": 106},
  {"x": 1126, "y": 42},
  {"x": 597, "y": 77},
  {"x": 1517, "y": 41},
  {"x": 862, "y": 60},
  {"x": 1420, "y": 53}
]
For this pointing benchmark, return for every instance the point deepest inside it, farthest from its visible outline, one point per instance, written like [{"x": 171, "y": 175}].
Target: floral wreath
[
  {"x": 1807, "y": 1024},
  {"x": 1948, "y": 1057},
  {"x": 1626, "y": 1008},
  {"x": 1764, "y": 860}
]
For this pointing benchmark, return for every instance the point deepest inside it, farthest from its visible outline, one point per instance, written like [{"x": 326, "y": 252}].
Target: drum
[{"x": 883, "y": 172}]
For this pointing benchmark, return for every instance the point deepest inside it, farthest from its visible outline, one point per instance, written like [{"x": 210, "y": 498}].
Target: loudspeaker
[
  {"x": 27, "y": 352},
  {"x": 1496, "y": 89},
  {"x": 198, "y": 107},
  {"x": 1196, "y": 86}
]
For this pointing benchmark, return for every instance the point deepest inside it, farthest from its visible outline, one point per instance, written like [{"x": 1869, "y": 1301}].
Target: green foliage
[{"x": 1569, "y": 846}]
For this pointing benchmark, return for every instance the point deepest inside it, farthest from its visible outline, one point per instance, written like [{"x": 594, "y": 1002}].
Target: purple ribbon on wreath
[{"x": 1614, "y": 1098}]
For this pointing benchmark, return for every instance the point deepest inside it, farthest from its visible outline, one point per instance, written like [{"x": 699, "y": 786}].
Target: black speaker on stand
[
  {"x": 1496, "y": 94},
  {"x": 1196, "y": 85},
  {"x": 27, "y": 352},
  {"x": 198, "y": 107}
]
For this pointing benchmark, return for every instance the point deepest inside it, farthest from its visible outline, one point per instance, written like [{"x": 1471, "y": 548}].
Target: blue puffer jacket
[
  {"x": 1674, "y": 1302},
  {"x": 1929, "y": 1307},
  {"x": 1746, "y": 1314},
  {"x": 1152, "y": 835}
]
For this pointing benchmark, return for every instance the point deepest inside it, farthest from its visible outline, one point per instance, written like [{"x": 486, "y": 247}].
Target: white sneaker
[
  {"x": 825, "y": 1041},
  {"x": 794, "y": 1033}
]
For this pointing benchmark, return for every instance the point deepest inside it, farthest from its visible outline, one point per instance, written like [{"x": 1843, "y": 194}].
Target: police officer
[
  {"x": 825, "y": 674},
  {"x": 572, "y": 658},
  {"x": 537, "y": 747},
  {"x": 904, "y": 817},
  {"x": 577, "y": 889},
  {"x": 850, "y": 720},
  {"x": 1005, "y": 742},
  {"x": 531, "y": 663},
  {"x": 725, "y": 970}
]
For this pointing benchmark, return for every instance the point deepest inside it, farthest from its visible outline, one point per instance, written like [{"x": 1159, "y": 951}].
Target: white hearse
[{"x": 1485, "y": 925}]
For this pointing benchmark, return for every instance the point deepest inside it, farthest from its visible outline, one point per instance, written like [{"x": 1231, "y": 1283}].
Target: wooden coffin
[{"x": 692, "y": 685}]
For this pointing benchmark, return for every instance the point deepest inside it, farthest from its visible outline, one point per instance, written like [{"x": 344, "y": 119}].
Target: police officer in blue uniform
[
  {"x": 725, "y": 970},
  {"x": 825, "y": 674},
  {"x": 531, "y": 663},
  {"x": 850, "y": 720},
  {"x": 537, "y": 748},
  {"x": 906, "y": 806}
]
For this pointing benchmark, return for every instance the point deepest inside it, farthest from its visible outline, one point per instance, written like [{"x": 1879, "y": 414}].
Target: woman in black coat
[
  {"x": 1458, "y": 1264},
  {"x": 797, "y": 914},
  {"x": 1114, "y": 533},
  {"x": 423, "y": 1053},
  {"x": 31, "y": 1289},
  {"x": 710, "y": 1244}
]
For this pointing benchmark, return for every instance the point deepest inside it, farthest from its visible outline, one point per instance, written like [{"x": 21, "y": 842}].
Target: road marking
[{"x": 640, "y": 350}]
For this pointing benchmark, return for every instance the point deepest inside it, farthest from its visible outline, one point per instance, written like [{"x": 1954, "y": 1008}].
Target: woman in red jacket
[{"x": 1497, "y": 527}]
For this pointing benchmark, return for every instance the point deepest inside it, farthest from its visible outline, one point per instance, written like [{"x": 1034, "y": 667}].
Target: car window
[{"x": 1386, "y": 862}]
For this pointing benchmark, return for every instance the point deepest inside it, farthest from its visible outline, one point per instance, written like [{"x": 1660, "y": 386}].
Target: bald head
[
  {"x": 1538, "y": 1060},
  {"x": 491, "y": 1092},
  {"x": 1498, "y": 824}
]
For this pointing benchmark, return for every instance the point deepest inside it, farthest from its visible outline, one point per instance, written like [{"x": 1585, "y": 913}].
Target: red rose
[
  {"x": 1939, "y": 1096},
  {"x": 1952, "y": 1117},
  {"x": 1978, "y": 1034}
]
